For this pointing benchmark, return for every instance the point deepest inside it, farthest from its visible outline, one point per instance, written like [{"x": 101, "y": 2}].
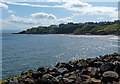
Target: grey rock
[
  {"x": 109, "y": 76},
  {"x": 15, "y": 80},
  {"x": 62, "y": 70},
  {"x": 12, "y": 82},
  {"x": 58, "y": 78},
  {"x": 47, "y": 76}
]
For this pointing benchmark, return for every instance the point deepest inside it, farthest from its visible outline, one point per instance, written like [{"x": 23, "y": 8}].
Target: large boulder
[
  {"x": 107, "y": 67},
  {"x": 110, "y": 76},
  {"x": 37, "y": 74}
]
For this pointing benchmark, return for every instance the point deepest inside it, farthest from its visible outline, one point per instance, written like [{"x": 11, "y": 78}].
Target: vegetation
[{"x": 101, "y": 28}]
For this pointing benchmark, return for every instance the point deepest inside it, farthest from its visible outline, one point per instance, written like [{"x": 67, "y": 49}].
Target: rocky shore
[{"x": 100, "y": 70}]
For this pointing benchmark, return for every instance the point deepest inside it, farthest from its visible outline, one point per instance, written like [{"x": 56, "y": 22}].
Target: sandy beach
[{"x": 83, "y": 35}]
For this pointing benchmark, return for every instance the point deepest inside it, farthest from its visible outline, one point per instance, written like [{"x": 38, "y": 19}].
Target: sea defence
[{"x": 99, "y": 70}]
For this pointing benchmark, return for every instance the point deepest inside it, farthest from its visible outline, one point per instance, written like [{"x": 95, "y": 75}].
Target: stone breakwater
[{"x": 100, "y": 70}]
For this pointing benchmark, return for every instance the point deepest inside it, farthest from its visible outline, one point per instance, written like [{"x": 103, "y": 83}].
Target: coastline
[
  {"x": 73, "y": 35},
  {"x": 98, "y": 70}
]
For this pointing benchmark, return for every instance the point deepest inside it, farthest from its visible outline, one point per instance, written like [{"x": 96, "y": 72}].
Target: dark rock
[
  {"x": 78, "y": 80},
  {"x": 84, "y": 71},
  {"x": 84, "y": 77},
  {"x": 42, "y": 69},
  {"x": 64, "y": 65},
  {"x": 93, "y": 71},
  {"x": 118, "y": 68},
  {"x": 95, "y": 64},
  {"x": 110, "y": 76},
  {"x": 37, "y": 74},
  {"x": 53, "y": 69},
  {"x": 103, "y": 70},
  {"x": 23, "y": 73},
  {"x": 58, "y": 65},
  {"x": 107, "y": 67},
  {"x": 24, "y": 76},
  {"x": 44, "y": 81},
  {"x": 84, "y": 64},
  {"x": 31, "y": 82},
  {"x": 78, "y": 66}
]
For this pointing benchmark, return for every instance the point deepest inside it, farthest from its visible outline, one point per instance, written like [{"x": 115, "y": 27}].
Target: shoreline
[
  {"x": 83, "y": 35},
  {"x": 73, "y": 35},
  {"x": 99, "y": 70}
]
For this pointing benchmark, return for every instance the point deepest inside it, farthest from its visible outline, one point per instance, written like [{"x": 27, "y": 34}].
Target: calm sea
[{"x": 24, "y": 52}]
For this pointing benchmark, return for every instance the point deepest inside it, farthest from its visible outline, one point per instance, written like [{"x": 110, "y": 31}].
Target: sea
[{"x": 22, "y": 52}]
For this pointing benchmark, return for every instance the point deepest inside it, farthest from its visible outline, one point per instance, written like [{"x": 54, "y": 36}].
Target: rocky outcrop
[{"x": 102, "y": 70}]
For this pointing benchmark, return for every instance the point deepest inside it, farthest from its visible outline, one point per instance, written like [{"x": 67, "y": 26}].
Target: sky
[{"x": 25, "y": 14}]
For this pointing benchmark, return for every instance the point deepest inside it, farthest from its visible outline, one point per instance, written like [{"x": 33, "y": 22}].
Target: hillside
[{"x": 88, "y": 28}]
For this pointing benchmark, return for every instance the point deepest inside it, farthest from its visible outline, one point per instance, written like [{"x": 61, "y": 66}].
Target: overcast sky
[{"x": 23, "y": 14}]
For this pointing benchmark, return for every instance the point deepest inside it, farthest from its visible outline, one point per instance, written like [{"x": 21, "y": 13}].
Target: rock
[
  {"x": 66, "y": 75},
  {"x": 72, "y": 76},
  {"x": 95, "y": 64},
  {"x": 44, "y": 81},
  {"x": 78, "y": 66},
  {"x": 107, "y": 67},
  {"x": 24, "y": 76},
  {"x": 118, "y": 67},
  {"x": 84, "y": 64},
  {"x": 58, "y": 78},
  {"x": 62, "y": 70},
  {"x": 64, "y": 65},
  {"x": 47, "y": 76},
  {"x": 29, "y": 81},
  {"x": 78, "y": 80},
  {"x": 54, "y": 69},
  {"x": 93, "y": 71},
  {"x": 84, "y": 71},
  {"x": 42, "y": 69},
  {"x": 110, "y": 76},
  {"x": 103, "y": 70},
  {"x": 114, "y": 54},
  {"x": 54, "y": 73},
  {"x": 118, "y": 58},
  {"x": 95, "y": 80},
  {"x": 13, "y": 81},
  {"x": 69, "y": 80},
  {"x": 84, "y": 77},
  {"x": 37, "y": 74},
  {"x": 23, "y": 73}
]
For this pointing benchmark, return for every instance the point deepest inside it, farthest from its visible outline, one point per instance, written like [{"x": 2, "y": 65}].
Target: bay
[{"x": 28, "y": 51}]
